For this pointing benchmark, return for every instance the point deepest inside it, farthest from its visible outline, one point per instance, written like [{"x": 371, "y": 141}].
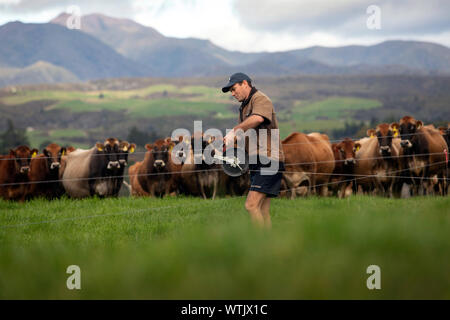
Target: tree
[
  {"x": 139, "y": 137},
  {"x": 44, "y": 144},
  {"x": 12, "y": 138}
]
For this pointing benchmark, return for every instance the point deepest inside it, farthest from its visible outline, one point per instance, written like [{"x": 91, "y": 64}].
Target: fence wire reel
[{"x": 234, "y": 161}]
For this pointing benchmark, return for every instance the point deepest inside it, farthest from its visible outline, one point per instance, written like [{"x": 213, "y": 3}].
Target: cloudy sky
[{"x": 263, "y": 25}]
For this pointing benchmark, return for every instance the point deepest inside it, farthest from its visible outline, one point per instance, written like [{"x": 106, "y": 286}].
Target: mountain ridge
[{"x": 108, "y": 47}]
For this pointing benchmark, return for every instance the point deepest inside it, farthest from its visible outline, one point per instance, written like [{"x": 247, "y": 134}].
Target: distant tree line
[
  {"x": 12, "y": 137},
  {"x": 358, "y": 129},
  {"x": 140, "y": 138},
  {"x": 350, "y": 130}
]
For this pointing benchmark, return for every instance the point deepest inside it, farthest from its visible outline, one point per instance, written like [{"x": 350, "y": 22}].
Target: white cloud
[
  {"x": 177, "y": 18},
  {"x": 261, "y": 25}
]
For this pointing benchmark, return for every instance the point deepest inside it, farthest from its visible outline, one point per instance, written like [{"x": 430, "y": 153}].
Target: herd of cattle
[{"x": 397, "y": 159}]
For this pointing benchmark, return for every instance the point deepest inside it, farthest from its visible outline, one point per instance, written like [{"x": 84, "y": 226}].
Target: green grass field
[
  {"x": 323, "y": 115},
  {"x": 60, "y": 136},
  {"x": 188, "y": 248}
]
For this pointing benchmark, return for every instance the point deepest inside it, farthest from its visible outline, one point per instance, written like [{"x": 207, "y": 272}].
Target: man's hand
[
  {"x": 251, "y": 122},
  {"x": 228, "y": 140}
]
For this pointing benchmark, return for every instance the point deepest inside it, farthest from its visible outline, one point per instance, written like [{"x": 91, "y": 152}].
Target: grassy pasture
[
  {"x": 160, "y": 101},
  {"x": 197, "y": 93},
  {"x": 323, "y": 114},
  {"x": 59, "y": 136},
  {"x": 182, "y": 248}
]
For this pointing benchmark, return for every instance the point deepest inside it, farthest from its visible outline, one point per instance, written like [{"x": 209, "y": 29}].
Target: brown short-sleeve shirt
[{"x": 260, "y": 104}]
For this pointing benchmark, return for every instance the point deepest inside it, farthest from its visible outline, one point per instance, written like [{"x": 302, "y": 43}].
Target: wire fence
[
  {"x": 4, "y": 158},
  {"x": 212, "y": 169},
  {"x": 148, "y": 210}
]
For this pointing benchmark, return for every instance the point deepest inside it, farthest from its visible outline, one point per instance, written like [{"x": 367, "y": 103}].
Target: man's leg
[
  {"x": 253, "y": 205},
  {"x": 265, "y": 210}
]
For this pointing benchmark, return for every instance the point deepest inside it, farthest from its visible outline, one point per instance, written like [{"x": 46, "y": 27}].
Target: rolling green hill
[{"x": 96, "y": 110}]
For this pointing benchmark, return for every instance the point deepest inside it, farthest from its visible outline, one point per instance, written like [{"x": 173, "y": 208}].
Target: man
[{"x": 257, "y": 112}]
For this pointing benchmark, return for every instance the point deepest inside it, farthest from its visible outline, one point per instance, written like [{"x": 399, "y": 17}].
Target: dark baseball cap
[{"x": 235, "y": 78}]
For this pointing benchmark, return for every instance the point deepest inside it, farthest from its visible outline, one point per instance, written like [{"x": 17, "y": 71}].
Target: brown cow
[
  {"x": 446, "y": 134},
  {"x": 197, "y": 176},
  {"x": 136, "y": 189},
  {"x": 309, "y": 161},
  {"x": 153, "y": 176},
  {"x": 345, "y": 159},
  {"x": 14, "y": 169},
  {"x": 378, "y": 159},
  {"x": 424, "y": 150},
  {"x": 44, "y": 169}
]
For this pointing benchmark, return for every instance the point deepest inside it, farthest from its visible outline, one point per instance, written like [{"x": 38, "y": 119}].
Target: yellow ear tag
[
  {"x": 357, "y": 148},
  {"x": 63, "y": 153},
  {"x": 395, "y": 132},
  {"x": 372, "y": 136},
  {"x": 34, "y": 154},
  {"x": 125, "y": 149},
  {"x": 131, "y": 150},
  {"x": 100, "y": 149},
  {"x": 171, "y": 148}
]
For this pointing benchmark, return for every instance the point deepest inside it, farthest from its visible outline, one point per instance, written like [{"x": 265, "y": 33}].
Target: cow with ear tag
[
  {"x": 153, "y": 176},
  {"x": 117, "y": 173},
  {"x": 125, "y": 148},
  {"x": 198, "y": 177},
  {"x": 378, "y": 160},
  {"x": 44, "y": 172},
  {"x": 424, "y": 150},
  {"x": 177, "y": 157},
  {"x": 14, "y": 169},
  {"x": 91, "y": 172}
]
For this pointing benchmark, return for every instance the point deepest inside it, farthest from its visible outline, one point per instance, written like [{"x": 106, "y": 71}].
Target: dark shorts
[{"x": 268, "y": 184}]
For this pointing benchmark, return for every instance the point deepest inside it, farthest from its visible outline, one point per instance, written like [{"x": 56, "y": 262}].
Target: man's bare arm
[{"x": 251, "y": 122}]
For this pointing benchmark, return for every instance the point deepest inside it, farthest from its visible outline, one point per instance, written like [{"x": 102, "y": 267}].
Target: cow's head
[
  {"x": 408, "y": 131},
  {"x": 125, "y": 148},
  {"x": 22, "y": 157},
  {"x": 347, "y": 149},
  {"x": 384, "y": 133},
  {"x": 183, "y": 146},
  {"x": 53, "y": 154},
  {"x": 159, "y": 152},
  {"x": 110, "y": 150},
  {"x": 203, "y": 141}
]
